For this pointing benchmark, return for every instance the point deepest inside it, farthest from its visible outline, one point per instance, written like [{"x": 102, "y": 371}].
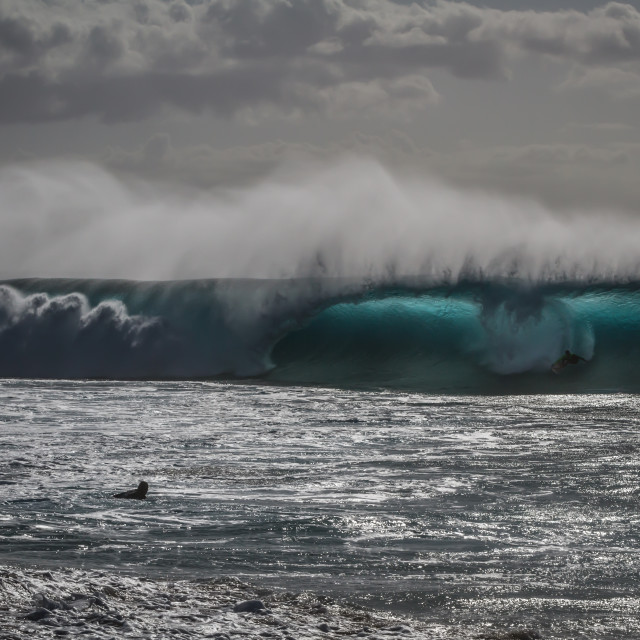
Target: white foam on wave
[
  {"x": 57, "y": 336},
  {"x": 512, "y": 344},
  {"x": 353, "y": 218}
]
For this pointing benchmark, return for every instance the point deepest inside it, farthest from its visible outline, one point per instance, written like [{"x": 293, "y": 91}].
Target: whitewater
[{"x": 338, "y": 385}]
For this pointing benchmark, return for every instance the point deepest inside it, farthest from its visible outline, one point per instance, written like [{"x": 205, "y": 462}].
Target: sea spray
[{"x": 351, "y": 219}]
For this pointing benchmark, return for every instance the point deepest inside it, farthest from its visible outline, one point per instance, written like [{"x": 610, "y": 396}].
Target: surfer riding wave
[{"x": 566, "y": 359}]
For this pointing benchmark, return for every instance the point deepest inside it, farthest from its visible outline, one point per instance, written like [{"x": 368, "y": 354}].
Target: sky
[{"x": 538, "y": 99}]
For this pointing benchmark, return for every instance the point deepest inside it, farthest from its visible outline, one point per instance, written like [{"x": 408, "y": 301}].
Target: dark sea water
[{"x": 472, "y": 513}]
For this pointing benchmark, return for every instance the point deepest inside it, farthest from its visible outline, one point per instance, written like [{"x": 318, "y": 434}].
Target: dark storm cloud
[
  {"x": 21, "y": 44},
  {"x": 254, "y": 28},
  {"x": 120, "y": 60},
  {"x": 103, "y": 46},
  {"x": 179, "y": 12},
  {"x": 16, "y": 36},
  {"x": 32, "y": 98}
]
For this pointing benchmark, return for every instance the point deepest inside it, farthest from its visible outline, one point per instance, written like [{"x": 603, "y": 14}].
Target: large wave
[
  {"x": 340, "y": 275},
  {"x": 482, "y": 336}
]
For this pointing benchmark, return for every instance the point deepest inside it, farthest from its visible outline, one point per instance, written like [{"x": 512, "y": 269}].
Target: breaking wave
[
  {"x": 484, "y": 336},
  {"x": 341, "y": 274}
]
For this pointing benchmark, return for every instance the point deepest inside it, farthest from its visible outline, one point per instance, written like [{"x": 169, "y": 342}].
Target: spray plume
[{"x": 351, "y": 219}]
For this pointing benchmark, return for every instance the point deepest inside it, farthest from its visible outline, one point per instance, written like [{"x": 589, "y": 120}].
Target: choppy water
[{"x": 467, "y": 512}]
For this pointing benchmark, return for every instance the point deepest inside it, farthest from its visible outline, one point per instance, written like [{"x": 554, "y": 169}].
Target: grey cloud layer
[{"x": 123, "y": 60}]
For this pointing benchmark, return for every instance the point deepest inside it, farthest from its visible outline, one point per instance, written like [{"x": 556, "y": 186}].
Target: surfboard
[{"x": 559, "y": 365}]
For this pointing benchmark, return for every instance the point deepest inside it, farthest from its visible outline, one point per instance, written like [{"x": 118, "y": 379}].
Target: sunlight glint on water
[{"x": 459, "y": 510}]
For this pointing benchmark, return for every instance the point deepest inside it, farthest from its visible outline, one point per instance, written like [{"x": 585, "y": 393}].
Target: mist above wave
[{"x": 353, "y": 218}]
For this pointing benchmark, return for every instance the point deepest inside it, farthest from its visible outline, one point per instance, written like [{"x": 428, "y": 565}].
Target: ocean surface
[{"x": 474, "y": 514}]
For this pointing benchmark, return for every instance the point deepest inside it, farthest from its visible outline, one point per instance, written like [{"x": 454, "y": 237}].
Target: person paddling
[{"x": 135, "y": 494}]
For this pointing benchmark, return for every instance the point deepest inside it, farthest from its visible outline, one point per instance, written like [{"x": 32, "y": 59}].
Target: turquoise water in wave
[
  {"x": 461, "y": 343},
  {"x": 475, "y": 513}
]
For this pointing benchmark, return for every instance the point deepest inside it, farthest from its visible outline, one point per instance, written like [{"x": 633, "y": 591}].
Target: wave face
[{"x": 471, "y": 337}]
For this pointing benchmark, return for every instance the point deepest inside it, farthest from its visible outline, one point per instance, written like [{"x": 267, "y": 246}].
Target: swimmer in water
[{"x": 135, "y": 494}]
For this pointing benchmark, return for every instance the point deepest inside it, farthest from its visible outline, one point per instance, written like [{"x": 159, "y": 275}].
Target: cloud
[
  {"x": 607, "y": 127},
  {"x": 617, "y": 83},
  {"x": 104, "y": 46},
  {"x": 23, "y": 44},
  {"x": 574, "y": 176},
  {"x": 579, "y": 177},
  {"x": 16, "y": 37},
  {"x": 606, "y": 35},
  {"x": 203, "y": 165},
  {"x": 559, "y": 154},
  {"x": 180, "y": 12},
  {"x": 31, "y": 98},
  {"x": 123, "y": 61}
]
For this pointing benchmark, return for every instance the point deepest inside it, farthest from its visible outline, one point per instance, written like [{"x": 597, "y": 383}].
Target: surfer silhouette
[
  {"x": 566, "y": 359},
  {"x": 135, "y": 494}
]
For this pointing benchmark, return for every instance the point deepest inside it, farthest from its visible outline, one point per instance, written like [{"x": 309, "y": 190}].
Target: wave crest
[{"x": 63, "y": 336}]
